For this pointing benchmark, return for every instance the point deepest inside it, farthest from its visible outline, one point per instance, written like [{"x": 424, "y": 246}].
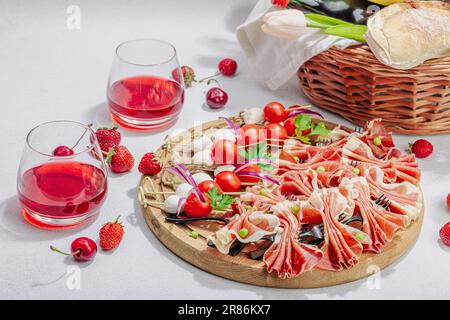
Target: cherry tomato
[
  {"x": 228, "y": 181},
  {"x": 252, "y": 134},
  {"x": 207, "y": 185},
  {"x": 289, "y": 125},
  {"x": 251, "y": 168},
  {"x": 275, "y": 112},
  {"x": 224, "y": 152},
  {"x": 194, "y": 207},
  {"x": 276, "y": 133}
]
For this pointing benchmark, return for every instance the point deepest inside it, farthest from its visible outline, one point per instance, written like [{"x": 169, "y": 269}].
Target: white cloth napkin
[{"x": 274, "y": 61}]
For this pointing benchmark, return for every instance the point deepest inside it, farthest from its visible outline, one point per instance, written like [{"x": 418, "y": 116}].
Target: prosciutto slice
[
  {"x": 376, "y": 129},
  {"x": 378, "y": 223},
  {"x": 287, "y": 257},
  {"x": 396, "y": 169},
  {"x": 341, "y": 248},
  {"x": 405, "y": 198},
  {"x": 258, "y": 225}
]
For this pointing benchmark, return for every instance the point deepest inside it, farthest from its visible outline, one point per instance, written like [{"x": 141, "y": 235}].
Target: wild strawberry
[
  {"x": 111, "y": 234},
  {"x": 448, "y": 201},
  {"x": 149, "y": 164},
  {"x": 108, "y": 138},
  {"x": 188, "y": 75},
  {"x": 120, "y": 159},
  {"x": 421, "y": 148},
  {"x": 227, "y": 67},
  {"x": 444, "y": 233}
]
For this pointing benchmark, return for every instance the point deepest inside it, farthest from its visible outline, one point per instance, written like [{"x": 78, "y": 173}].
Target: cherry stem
[
  {"x": 207, "y": 78},
  {"x": 65, "y": 253},
  {"x": 214, "y": 80},
  {"x": 82, "y": 136}
]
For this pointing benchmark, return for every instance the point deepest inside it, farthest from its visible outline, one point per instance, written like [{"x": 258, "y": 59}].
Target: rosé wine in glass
[
  {"x": 143, "y": 93},
  {"x": 61, "y": 191}
]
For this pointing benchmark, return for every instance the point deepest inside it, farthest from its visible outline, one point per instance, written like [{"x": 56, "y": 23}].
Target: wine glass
[
  {"x": 62, "y": 178},
  {"x": 145, "y": 85}
]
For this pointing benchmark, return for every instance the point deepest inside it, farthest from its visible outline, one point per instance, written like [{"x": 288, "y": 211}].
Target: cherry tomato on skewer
[
  {"x": 228, "y": 181},
  {"x": 276, "y": 133},
  {"x": 251, "y": 168},
  {"x": 194, "y": 207},
  {"x": 207, "y": 185},
  {"x": 275, "y": 112},
  {"x": 224, "y": 152}
]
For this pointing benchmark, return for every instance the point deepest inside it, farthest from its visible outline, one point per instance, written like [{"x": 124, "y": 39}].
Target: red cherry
[
  {"x": 82, "y": 249},
  {"x": 216, "y": 98},
  {"x": 227, "y": 67},
  {"x": 63, "y": 151}
]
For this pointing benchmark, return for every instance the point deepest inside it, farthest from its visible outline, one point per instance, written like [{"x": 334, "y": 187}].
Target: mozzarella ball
[
  {"x": 201, "y": 143},
  {"x": 171, "y": 204},
  {"x": 253, "y": 116},
  {"x": 183, "y": 190},
  {"x": 199, "y": 177},
  {"x": 203, "y": 158}
]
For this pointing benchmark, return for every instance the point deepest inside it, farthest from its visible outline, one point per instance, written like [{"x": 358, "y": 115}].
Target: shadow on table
[
  {"x": 14, "y": 227},
  {"x": 99, "y": 116}
]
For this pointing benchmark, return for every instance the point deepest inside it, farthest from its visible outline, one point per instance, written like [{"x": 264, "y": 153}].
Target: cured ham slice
[
  {"x": 375, "y": 129},
  {"x": 396, "y": 169},
  {"x": 257, "y": 224},
  {"x": 378, "y": 223},
  {"x": 287, "y": 257},
  {"x": 404, "y": 198},
  {"x": 341, "y": 248}
]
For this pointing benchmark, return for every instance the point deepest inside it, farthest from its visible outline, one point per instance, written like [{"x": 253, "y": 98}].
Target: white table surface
[{"x": 49, "y": 72}]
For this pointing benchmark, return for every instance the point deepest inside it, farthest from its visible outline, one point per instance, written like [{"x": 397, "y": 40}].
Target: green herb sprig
[
  {"x": 305, "y": 128},
  {"x": 219, "y": 201},
  {"x": 258, "y": 151}
]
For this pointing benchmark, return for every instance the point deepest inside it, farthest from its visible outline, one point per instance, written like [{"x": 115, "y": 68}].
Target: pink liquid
[
  {"x": 146, "y": 97},
  {"x": 63, "y": 189}
]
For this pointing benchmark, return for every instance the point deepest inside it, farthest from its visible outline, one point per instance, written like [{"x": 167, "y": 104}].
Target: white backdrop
[{"x": 49, "y": 72}]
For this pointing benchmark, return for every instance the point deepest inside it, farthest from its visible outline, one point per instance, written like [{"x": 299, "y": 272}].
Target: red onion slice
[
  {"x": 254, "y": 161},
  {"x": 180, "y": 205},
  {"x": 303, "y": 111},
  {"x": 232, "y": 125},
  {"x": 183, "y": 172},
  {"x": 259, "y": 175}
]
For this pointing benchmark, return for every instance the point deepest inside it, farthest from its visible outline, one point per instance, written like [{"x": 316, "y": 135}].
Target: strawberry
[
  {"x": 111, "y": 234},
  {"x": 188, "y": 75},
  {"x": 421, "y": 148},
  {"x": 444, "y": 233},
  {"x": 120, "y": 159},
  {"x": 149, "y": 164},
  {"x": 108, "y": 138},
  {"x": 448, "y": 201}
]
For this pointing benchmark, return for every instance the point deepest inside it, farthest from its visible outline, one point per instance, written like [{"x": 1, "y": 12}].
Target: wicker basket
[{"x": 354, "y": 84}]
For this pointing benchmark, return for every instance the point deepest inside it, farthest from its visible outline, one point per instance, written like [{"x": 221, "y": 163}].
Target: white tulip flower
[{"x": 287, "y": 24}]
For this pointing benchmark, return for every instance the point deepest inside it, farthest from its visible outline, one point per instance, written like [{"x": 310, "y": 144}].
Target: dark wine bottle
[{"x": 353, "y": 11}]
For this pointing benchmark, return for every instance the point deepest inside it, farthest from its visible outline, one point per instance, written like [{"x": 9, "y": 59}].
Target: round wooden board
[{"x": 242, "y": 269}]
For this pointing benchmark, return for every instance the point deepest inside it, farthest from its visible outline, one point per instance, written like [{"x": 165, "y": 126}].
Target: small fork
[
  {"x": 324, "y": 142},
  {"x": 358, "y": 130},
  {"x": 383, "y": 201}
]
